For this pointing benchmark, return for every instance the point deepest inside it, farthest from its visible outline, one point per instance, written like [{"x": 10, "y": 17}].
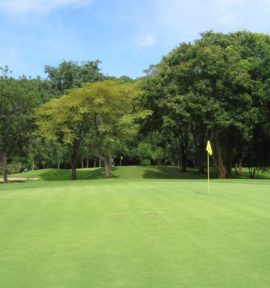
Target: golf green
[{"x": 122, "y": 233}]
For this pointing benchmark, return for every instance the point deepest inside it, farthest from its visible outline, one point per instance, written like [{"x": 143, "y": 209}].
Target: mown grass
[
  {"x": 135, "y": 233},
  {"x": 129, "y": 172},
  {"x": 126, "y": 172}
]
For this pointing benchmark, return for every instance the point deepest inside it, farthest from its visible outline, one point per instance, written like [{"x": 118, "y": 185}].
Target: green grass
[
  {"x": 123, "y": 233},
  {"x": 127, "y": 172}
]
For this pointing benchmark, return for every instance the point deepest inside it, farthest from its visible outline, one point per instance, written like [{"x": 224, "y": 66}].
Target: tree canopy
[
  {"x": 216, "y": 88},
  {"x": 105, "y": 113},
  {"x": 17, "y": 99}
]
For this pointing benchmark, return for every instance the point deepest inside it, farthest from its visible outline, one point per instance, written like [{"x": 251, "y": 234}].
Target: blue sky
[{"x": 127, "y": 36}]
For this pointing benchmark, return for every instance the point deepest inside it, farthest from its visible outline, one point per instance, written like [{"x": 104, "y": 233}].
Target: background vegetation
[{"x": 216, "y": 88}]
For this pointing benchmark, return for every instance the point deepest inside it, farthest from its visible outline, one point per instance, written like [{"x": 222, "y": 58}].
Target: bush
[
  {"x": 13, "y": 168},
  {"x": 145, "y": 162}
]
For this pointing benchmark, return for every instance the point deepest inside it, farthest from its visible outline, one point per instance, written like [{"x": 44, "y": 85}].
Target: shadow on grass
[
  {"x": 165, "y": 172},
  {"x": 150, "y": 172},
  {"x": 64, "y": 175}
]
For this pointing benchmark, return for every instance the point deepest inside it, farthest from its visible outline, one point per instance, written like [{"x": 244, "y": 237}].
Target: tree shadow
[
  {"x": 128, "y": 172},
  {"x": 166, "y": 172},
  {"x": 64, "y": 175}
]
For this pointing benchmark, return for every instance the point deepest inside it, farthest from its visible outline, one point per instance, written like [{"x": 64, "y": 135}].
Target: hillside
[{"x": 124, "y": 172}]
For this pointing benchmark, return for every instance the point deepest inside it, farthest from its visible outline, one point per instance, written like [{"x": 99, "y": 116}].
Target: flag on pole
[
  {"x": 209, "y": 148},
  {"x": 209, "y": 153}
]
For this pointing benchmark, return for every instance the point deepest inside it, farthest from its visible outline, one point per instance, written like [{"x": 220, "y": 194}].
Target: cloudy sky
[{"x": 127, "y": 36}]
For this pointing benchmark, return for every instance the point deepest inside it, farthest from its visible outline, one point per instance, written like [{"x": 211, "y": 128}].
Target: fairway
[{"x": 122, "y": 233}]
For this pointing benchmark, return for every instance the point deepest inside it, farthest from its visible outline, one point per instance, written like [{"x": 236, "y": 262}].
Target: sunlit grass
[{"x": 135, "y": 233}]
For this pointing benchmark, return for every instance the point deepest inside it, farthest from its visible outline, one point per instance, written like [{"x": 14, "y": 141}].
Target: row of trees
[
  {"x": 19, "y": 98},
  {"x": 216, "y": 88},
  {"x": 102, "y": 115}
]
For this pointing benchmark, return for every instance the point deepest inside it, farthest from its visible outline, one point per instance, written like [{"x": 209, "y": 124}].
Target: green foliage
[
  {"x": 148, "y": 151},
  {"x": 69, "y": 74},
  {"x": 42, "y": 153},
  {"x": 104, "y": 113},
  {"x": 18, "y": 97},
  {"x": 13, "y": 168},
  {"x": 217, "y": 88},
  {"x": 145, "y": 153}
]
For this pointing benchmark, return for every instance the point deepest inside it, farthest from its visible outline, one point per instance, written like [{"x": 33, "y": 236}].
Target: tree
[
  {"x": 104, "y": 112},
  {"x": 213, "y": 88},
  {"x": 42, "y": 153},
  {"x": 17, "y": 100},
  {"x": 62, "y": 120},
  {"x": 69, "y": 74},
  {"x": 113, "y": 112}
]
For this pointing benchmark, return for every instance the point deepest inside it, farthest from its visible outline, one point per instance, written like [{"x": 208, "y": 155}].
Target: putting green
[{"x": 135, "y": 233}]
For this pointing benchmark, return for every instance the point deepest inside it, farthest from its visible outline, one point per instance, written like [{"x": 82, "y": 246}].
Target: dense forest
[{"x": 216, "y": 88}]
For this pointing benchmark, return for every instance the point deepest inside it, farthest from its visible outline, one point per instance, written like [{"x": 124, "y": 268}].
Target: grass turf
[
  {"x": 123, "y": 172},
  {"x": 135, "y": 233},
  {"x": 127, "y": 172}
]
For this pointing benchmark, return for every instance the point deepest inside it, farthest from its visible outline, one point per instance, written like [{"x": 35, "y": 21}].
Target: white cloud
[
  {"x": 146, "y": 41},
  {"x": 190, "y": 17},
  {"x": 229, "y": 12},
  {"x": 25, "y": 7},
  {"x": 243, "y": 14}
]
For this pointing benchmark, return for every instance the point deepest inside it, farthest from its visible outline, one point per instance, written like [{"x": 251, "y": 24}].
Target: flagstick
[
  {"x": 209, "y": 153},
  {"x": 208, "y": 172}
]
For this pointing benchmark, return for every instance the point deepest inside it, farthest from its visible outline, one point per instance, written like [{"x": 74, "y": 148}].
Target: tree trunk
[
  {"x": 183, "y": 138},
  {"x": 183, "y": 161},
  {"x": 199, "y": 155},
  {"x": 229, "y": 166},
  {"x": 73, "y": 169},
  {"x": 108, "y": 168},
  {"x": 95, "y": 163},
  {"x": 229, "y": 152},
  {"x": 33, "y": 164},
  {"x": 240, "y": 168},
  {"x": 82, "y": 163},
  {"x": 99, "y": 164},
  {"x": 74, "y": 155},
  {"x": 236, "y": 169},
  {"x": 4, "y": 167},
  {"x": 221, "y": 169},
  {"x": 87, "y": 163},
  {"x": 200, "y": 136}
]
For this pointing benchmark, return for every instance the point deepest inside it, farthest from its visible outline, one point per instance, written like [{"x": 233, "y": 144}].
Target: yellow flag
[{"x": 209, "y": 148}]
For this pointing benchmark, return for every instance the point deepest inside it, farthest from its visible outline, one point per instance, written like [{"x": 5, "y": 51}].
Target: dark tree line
[{"x": 216, "y": 88}]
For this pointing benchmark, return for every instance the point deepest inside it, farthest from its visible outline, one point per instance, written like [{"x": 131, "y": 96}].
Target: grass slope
[
  {"x": 135, "y": 233},
  {"x": 126, "y": 172}
]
